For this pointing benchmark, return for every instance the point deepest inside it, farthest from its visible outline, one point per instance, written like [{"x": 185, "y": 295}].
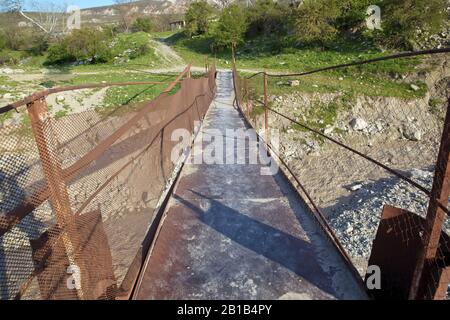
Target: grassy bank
[{"x": 378, "y": 79}]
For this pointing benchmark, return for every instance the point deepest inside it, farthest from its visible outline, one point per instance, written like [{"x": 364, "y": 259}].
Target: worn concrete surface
[{"x": 230, "y": 233}]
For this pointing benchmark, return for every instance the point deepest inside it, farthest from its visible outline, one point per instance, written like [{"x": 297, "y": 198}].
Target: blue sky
[{"x": 80, "y": 3}]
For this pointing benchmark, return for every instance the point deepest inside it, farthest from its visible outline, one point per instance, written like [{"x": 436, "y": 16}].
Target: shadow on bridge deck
[{"x": 231, "y": 233}]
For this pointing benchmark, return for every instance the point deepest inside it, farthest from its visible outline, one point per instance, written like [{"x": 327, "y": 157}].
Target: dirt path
[{"x": 167, "y": 53}]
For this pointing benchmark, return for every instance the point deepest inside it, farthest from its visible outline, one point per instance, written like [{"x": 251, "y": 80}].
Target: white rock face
[
  {"x": 358, "y": 124},
  {"x": 414, "y": 87},
  {"x": 294, "y": 83}
]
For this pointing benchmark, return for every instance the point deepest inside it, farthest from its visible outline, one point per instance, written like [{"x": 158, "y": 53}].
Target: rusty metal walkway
[{"x": 230, "y": 233}]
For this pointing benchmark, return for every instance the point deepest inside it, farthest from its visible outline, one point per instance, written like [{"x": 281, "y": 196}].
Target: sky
[{"x": 80, "y": 3}]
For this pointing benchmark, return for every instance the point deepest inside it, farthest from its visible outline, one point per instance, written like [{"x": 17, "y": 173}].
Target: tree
[
  {"x": 126, "y": 14},
  {"x": 315, "y": 21},
  {"x": 268, "y": 16},
  {"x": 47, "y": 15},
  {"x": 231, "y": 27},
  {"x": 14, "y": 40},
  {"x": 143, "y": 24},
  {"x": 198, "y": 17}
]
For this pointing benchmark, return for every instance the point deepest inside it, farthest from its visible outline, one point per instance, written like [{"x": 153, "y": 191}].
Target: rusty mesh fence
[
  {"x": 78, "y": 193},
  {"x": 358, "y": 161}
]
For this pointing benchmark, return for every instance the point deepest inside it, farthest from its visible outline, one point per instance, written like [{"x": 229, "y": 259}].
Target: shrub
[
  {"x": 268, "y": 17},
  {"x": 315, "y": 21},
  {"x": 141, "y": 50},
  {"x": 86, "y": 44},
  {"x": 198, "y": 17},
  {"x": 14, "y": 38},
  {"x": 58, "y": 53},
  {"x": 143, "y": 24},
  {"x": 7, "y": 58},
  {"x": 38, "y": 45}
]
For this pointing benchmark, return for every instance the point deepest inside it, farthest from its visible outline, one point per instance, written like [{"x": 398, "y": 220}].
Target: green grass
[
  {"x": 63, "y": 112},
  {"x": 196, "y": 50},
  {"x": 122, "y": 43},
  {"x": 320, "y": 115},
  {"x": 118, "y": 96},
  {"x": 5, "y": 81},
  {"x": 119, "y": 45},
  {"x": 369, "y": 85},
  {"x": 24, "y": 60},
  {"x": 163, "y": 34},
  {"x": 436, "y": 108},
  {"x": 375, "y": 79}
]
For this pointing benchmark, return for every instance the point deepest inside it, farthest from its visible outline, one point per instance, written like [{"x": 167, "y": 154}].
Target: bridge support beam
[
  {"x": 51, "y": 166},
  {"x": 266, "y": 107},
  {"x": 435, "y": 215}
]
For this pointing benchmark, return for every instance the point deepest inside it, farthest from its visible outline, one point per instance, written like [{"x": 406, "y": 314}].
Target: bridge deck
[{"x": 231, "y": 233}]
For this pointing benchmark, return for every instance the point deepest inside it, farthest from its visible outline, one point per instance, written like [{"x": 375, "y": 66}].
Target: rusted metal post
[
  {"x": 233, "y": 57},
  {"x": 435, "y": 215},
  {"x": 266, "y": 107},
  {"x": 59, "y": 197},
  {"x": 247, "y": 106},
  {"x": 172, "y": 85}
]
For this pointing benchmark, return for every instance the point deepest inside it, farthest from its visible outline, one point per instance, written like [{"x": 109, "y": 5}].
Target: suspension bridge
[{"x": 94, "y": 206}]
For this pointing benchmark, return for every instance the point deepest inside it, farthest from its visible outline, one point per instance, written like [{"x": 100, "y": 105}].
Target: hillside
[
  {"x": 170, "y": 10},
  {"x": 113, "y": 13}
]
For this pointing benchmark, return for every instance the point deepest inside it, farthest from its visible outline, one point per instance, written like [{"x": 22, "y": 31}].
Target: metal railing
[
  {"x": 431, "y": 256},
  {"x": 78, "y": 193}
]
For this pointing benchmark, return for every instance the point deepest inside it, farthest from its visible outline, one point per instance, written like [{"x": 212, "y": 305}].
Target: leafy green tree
[
  {"x": 315, "y": 21},
  {"x": 198, "y": 17},
  {"x": 268, "y": 16},
  {"x": 405, "y": 21},
  {"x": 231, "y": 27},
  {"x": 144, "y": 24}
]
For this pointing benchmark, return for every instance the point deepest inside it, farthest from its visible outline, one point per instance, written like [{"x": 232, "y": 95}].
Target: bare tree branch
[{"x": 46, "y": 15}]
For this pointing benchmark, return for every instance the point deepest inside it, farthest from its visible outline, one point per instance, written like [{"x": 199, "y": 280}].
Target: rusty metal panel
[
  {"x": 82, "y": 189},
  {"x": 90, "y": 246},
  {"x": 395, "y": 251}
]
